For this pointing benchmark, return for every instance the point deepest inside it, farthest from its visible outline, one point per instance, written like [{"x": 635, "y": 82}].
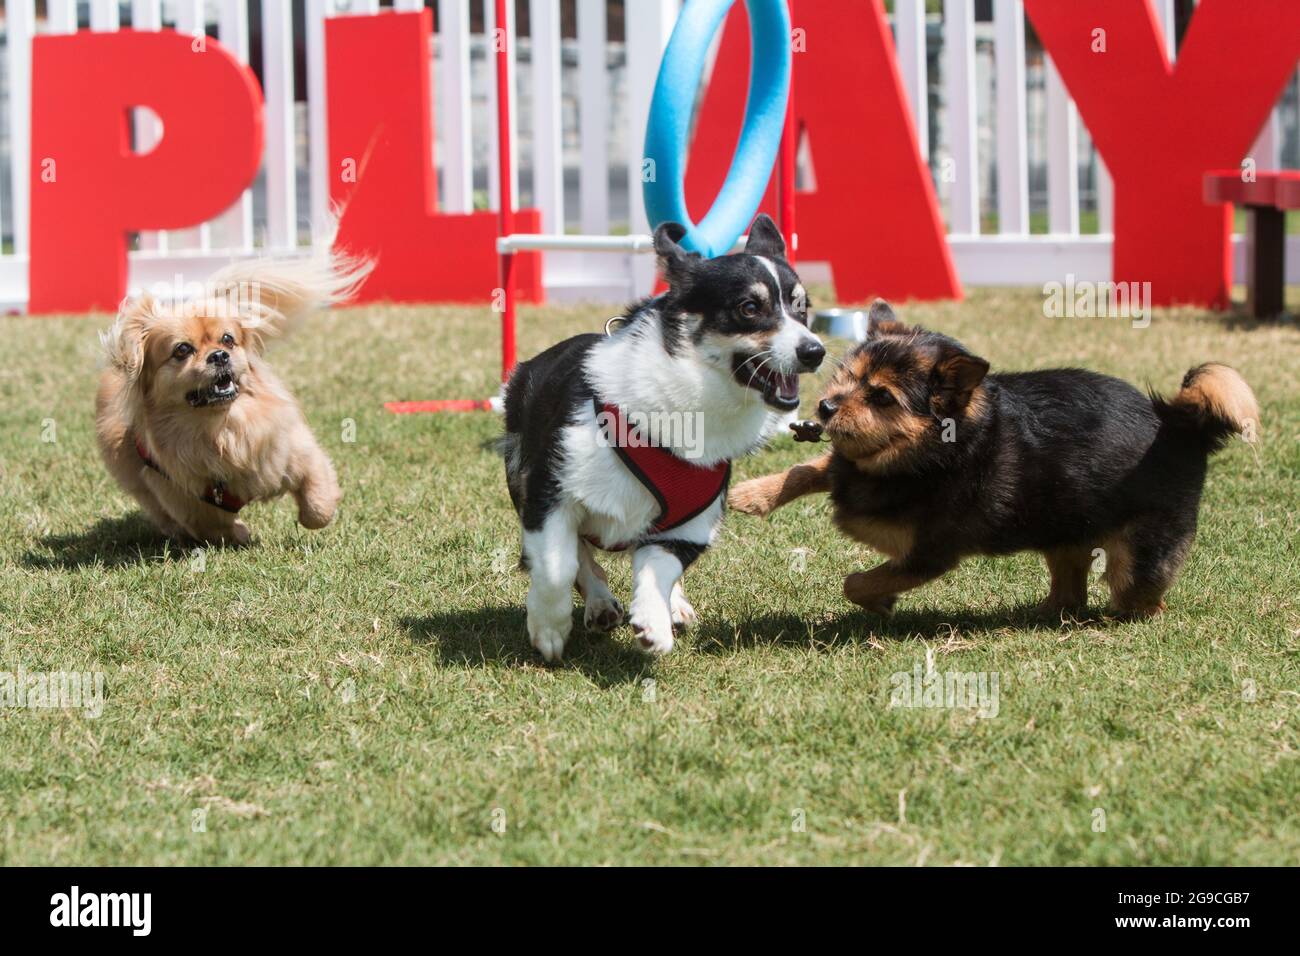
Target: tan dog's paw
[
  {"x": 757, "y": 497},
  {"x": 235, "y": 534},
  {"x": 318, "y": 502}
]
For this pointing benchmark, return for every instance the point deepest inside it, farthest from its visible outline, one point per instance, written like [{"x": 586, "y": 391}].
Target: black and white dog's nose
[
  {"x": 810, "y": 354},
  {"x": 219, "y": 357}
]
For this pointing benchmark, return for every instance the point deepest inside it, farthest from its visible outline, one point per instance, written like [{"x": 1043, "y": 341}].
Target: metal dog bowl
[{"x": 841, "y": 324}]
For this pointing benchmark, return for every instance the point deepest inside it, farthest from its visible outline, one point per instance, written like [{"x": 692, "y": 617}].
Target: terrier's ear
[
  {"x": 956, "y": 376},
  {"x": 882, "y": 321},
  {"x": 124, "y": 342},
  {"x": 765, "y": 239},
  {"x": 675, "y": 262}
]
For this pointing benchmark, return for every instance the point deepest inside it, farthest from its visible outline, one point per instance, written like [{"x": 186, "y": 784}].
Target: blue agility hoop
[{"x": 680, "y": 73}]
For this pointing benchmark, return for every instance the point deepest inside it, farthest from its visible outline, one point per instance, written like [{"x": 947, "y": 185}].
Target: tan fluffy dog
[{"x": 190, "y": 418}]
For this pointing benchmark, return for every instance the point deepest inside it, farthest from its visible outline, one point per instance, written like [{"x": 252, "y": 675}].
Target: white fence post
[
  {"x": 548, "y": 144},
  {"x": 593, "y": 117},
  {"x": 909, "y": 44},
  {"x": 61, "y": 16},
  {"x": 147, "y": 15},
  {"x": 959, "y": 82},
  {"x": 1168, "y": 26},
  {"x": 1012, "y": 151},
  {"x": 232, "y": 32},
  {"x": 318, "y": 170},
  {"x": 191, "y": 19},
  {"x": 490, "y": 38},
  {"x": 1062, "y": 156},
  {"x": 277, "y": 70},
  {"x": 105, "y": 16},
  {"x": 647, "y": 25},
  {"x": 453, "y": 96},
  {"x": 20, "y": 25}
]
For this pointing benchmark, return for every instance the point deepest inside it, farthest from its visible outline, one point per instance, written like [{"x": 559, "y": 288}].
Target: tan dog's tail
[
  {"x": 273, "y": 294},
  {"x": 1214, "y": 402}
]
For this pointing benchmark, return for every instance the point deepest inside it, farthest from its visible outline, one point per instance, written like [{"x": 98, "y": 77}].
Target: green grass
[{"x": 366, "y": 694}]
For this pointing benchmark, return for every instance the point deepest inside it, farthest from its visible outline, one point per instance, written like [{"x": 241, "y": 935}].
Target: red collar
[
  {"x": 214, "y": 494},
  {"x": 682, "y": 489}
]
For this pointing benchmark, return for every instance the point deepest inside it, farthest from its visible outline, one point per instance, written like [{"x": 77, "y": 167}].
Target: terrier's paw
[
  {"x": 857, "y": 591},
  {"x": 602, "y": 614},
  {"x": 1061, "y": 608},
  {"x": 1137, "y": 612},
  {"x": 683, "y": 614},
  {"x": 755, "y": 497},
  {"x": 655, "y": 639},
  {"x": 549, "y": 641}
]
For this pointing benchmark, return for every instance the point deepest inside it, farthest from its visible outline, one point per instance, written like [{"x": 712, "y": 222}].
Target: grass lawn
[{"x": 366, "y": 694}]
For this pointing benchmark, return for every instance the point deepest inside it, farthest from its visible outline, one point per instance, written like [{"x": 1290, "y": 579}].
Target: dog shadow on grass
[
  {"x": 110, "y": 542},
  {"x": 720, "y": 636},
  {"x": 496, "y": 635}
]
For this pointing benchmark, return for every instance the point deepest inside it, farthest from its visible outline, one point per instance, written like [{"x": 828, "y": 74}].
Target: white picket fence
[{"x": 582, "y": 106}]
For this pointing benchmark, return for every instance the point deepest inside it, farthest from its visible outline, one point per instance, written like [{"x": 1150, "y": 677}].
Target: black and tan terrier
[{"x": 933, "y": 460}]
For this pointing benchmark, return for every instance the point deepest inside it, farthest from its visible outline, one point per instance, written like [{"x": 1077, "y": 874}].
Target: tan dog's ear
[
  {"x": 882, "y": 321},
  {"x": 124, "y": 342}
]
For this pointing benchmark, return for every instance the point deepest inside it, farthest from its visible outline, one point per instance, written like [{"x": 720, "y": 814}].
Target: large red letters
[
  {"x": 88, "y": 189},
  {"x": 382, "y": 174},
  {"x": 873, "y": 216},
  {"x": 1160, "y": 129}
]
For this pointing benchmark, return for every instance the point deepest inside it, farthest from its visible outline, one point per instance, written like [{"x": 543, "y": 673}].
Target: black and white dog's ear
[
  {"x": 765, "y": 239},
  {"x": 674, "y": 261}
]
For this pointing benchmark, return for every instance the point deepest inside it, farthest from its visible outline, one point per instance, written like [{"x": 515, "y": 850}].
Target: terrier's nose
[
  {"x": 825, "y": 409},
  {"x": 810, "y": 354},
  {"x": 219, "y": 357}
]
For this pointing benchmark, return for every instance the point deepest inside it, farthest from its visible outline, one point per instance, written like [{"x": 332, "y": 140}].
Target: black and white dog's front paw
[
  {"x": 548, "y": 639},
  {"x": 683, "y": 613},
  {"x": 653, "y": 630},
  {"x": 602, "y": 613}
]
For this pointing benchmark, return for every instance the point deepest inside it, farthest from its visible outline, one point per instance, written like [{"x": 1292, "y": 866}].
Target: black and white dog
[{"x": 624, "y": 441}]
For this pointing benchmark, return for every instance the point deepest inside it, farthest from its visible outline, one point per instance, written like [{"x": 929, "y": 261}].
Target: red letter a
[{"x": 873, "y": 215}]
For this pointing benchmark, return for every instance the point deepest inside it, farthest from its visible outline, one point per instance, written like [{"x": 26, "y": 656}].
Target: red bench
[{"x": 1267, "y": 198}]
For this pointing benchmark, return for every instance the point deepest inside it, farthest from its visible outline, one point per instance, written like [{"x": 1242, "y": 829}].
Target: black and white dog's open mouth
[
  {"x": 780, "y": 390},
  {"x": 222, "y": 390}
]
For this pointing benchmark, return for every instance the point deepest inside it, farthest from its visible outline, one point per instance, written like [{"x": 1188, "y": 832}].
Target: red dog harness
[
  {"x": 683, "y": 490},
  {"x": 215, "y": 494}
]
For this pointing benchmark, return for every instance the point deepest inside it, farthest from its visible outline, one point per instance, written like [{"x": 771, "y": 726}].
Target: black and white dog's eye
[
  {"x": 227, "y": 340},
  {"x": 749, "y": 309},
  {"x": 881, "y": 397},
  {"x": 184, "y": 350}
]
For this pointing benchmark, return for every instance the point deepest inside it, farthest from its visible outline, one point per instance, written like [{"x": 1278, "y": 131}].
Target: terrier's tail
[{"x": 1215, "y": 403}]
